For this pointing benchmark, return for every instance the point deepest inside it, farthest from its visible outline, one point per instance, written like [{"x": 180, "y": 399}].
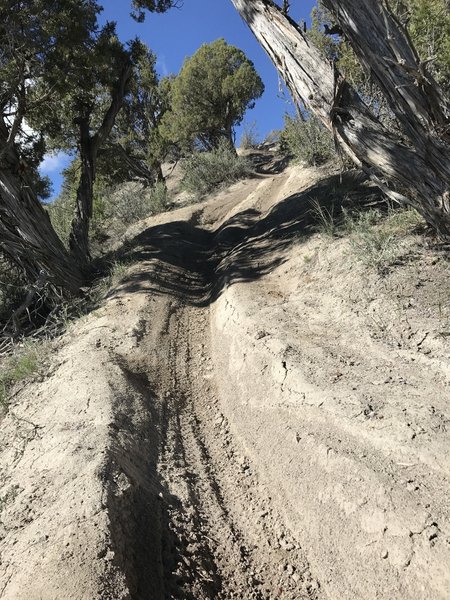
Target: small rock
[
  {"x": 384, "y": 554},
  {"x": 41, "y": 539},
  {"x": 290, "y": 569},
  {"x": 286, "y": 545},
  {"x": 433, "y": 532}
]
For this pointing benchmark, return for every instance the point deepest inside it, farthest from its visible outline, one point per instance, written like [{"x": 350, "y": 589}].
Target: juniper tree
[
  {"x": 210, "y": 96},
  {"x": 37, "y": 39}
]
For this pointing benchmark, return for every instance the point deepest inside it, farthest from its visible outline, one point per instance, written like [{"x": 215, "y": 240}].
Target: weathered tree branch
[
  {"x": 423, "y": 172},
  {"x": 384, "y": 47}
]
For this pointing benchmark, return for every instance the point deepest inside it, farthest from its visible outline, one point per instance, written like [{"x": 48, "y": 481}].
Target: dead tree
[{"x": 419, "y": 164}]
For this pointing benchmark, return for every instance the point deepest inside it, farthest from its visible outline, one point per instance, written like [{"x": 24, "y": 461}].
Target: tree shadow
[
  {"x": 148, "y": 546},
  {"x": 267, "y": 163},
  {"x": 194, "y": 264}
]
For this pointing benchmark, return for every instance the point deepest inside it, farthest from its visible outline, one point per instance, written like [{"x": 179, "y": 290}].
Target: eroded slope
[{"x": 252, "y": 414}]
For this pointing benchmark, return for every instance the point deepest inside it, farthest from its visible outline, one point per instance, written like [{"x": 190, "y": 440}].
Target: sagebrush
[
  {"x": 307, "y": 141},
  {"x": 379, "y": 240},
  {"x": 115, "y": 208},
  {"x": 131, "y": 202},
  {"x": 23, "y": 363},
  {"x": 207, "y": 171}
]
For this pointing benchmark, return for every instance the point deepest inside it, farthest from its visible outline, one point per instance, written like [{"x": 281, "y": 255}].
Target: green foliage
[
  {"x": 429, "y": 27},
  {"x": 39, "y": 41},
  {"x": 210, "y": 96},
  {"x": 207, "y": 171},
  {"x": 307, "y": 140},
  {"x": 337, "y": 50},
  {"x": 17, "y": 367},
  {"x": 115, "y": 207},
  {"x": 158, "y": 6},
  {"x": 328, "y": 45},
  {"x": 130, "y": 202},
  {"x": 53, "y": 56},
  {"x": 428, "y": 23},
  {"x": 92, "y": 70},
  {"x": 137, "y": 148},
  {"x": 379, "y": 241},
  {"x": 62, "y": 210}
]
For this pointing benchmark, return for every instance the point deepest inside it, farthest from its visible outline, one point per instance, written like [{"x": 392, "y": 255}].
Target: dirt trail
[
  {"x": 218, "y": 428},
  {"x": 224, "y": 530}
]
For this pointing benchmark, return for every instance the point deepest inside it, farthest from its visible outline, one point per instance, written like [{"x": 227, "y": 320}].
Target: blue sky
[{"x": 179, "y": 33}]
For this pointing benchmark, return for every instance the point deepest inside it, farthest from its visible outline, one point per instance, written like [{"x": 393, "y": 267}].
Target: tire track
[{"x": 232, "y": 543}]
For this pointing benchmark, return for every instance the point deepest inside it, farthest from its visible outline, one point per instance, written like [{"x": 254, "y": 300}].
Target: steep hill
[{"x": 258, "y": 410}]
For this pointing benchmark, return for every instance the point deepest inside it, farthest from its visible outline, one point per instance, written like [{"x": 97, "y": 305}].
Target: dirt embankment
[{"x": 252, "y": 414}]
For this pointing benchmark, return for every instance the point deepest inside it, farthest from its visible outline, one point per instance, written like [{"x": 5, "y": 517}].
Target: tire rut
[{"x": 230, "y": 542}]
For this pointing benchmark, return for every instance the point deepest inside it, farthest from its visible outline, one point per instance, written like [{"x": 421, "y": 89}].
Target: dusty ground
[{"x": 251, "y": 414}]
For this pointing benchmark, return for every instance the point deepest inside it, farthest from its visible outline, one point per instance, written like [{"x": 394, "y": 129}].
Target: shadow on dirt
[
  {"x": 268, "y": 164},
  {"x": 196, "y": 264},
  {"x": 147, "y": 546}
]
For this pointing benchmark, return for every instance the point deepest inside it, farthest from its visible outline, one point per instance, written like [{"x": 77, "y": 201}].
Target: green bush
[
  {"x": 19, "y": 366},
  {"x": 307, "y": 141},
  {"x": 114, "y": 209},
  {"x": 207, "y": 171},
  {"x": 378, "y": 240},
  {"x": 131, "y": 202},
  {"x": 62, "y": 212}
]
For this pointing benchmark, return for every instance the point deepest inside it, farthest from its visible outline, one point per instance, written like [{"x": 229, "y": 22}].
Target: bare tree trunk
[
  {"x": 381, "y": 153},
  {"x": 88, "y": 148},
  {"x": 27, "y": 237},
  {"x": 159, "y": 176},
  {"x": 79, "y": 236}
]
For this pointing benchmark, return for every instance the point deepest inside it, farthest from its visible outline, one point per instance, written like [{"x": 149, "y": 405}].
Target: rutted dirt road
[
  {"x": 232, "y": 424},
  {"x": 227, "y": 540}
]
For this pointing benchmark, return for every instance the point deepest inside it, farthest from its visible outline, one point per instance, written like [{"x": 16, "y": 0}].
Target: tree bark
[
  {"x": 384, "y": 48},
  {"x": 381, "y": 153},
  {"x": 79, "y": 235},
  {"x": 88, "y": 147},
  {"x": 27, "y": 237}
]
